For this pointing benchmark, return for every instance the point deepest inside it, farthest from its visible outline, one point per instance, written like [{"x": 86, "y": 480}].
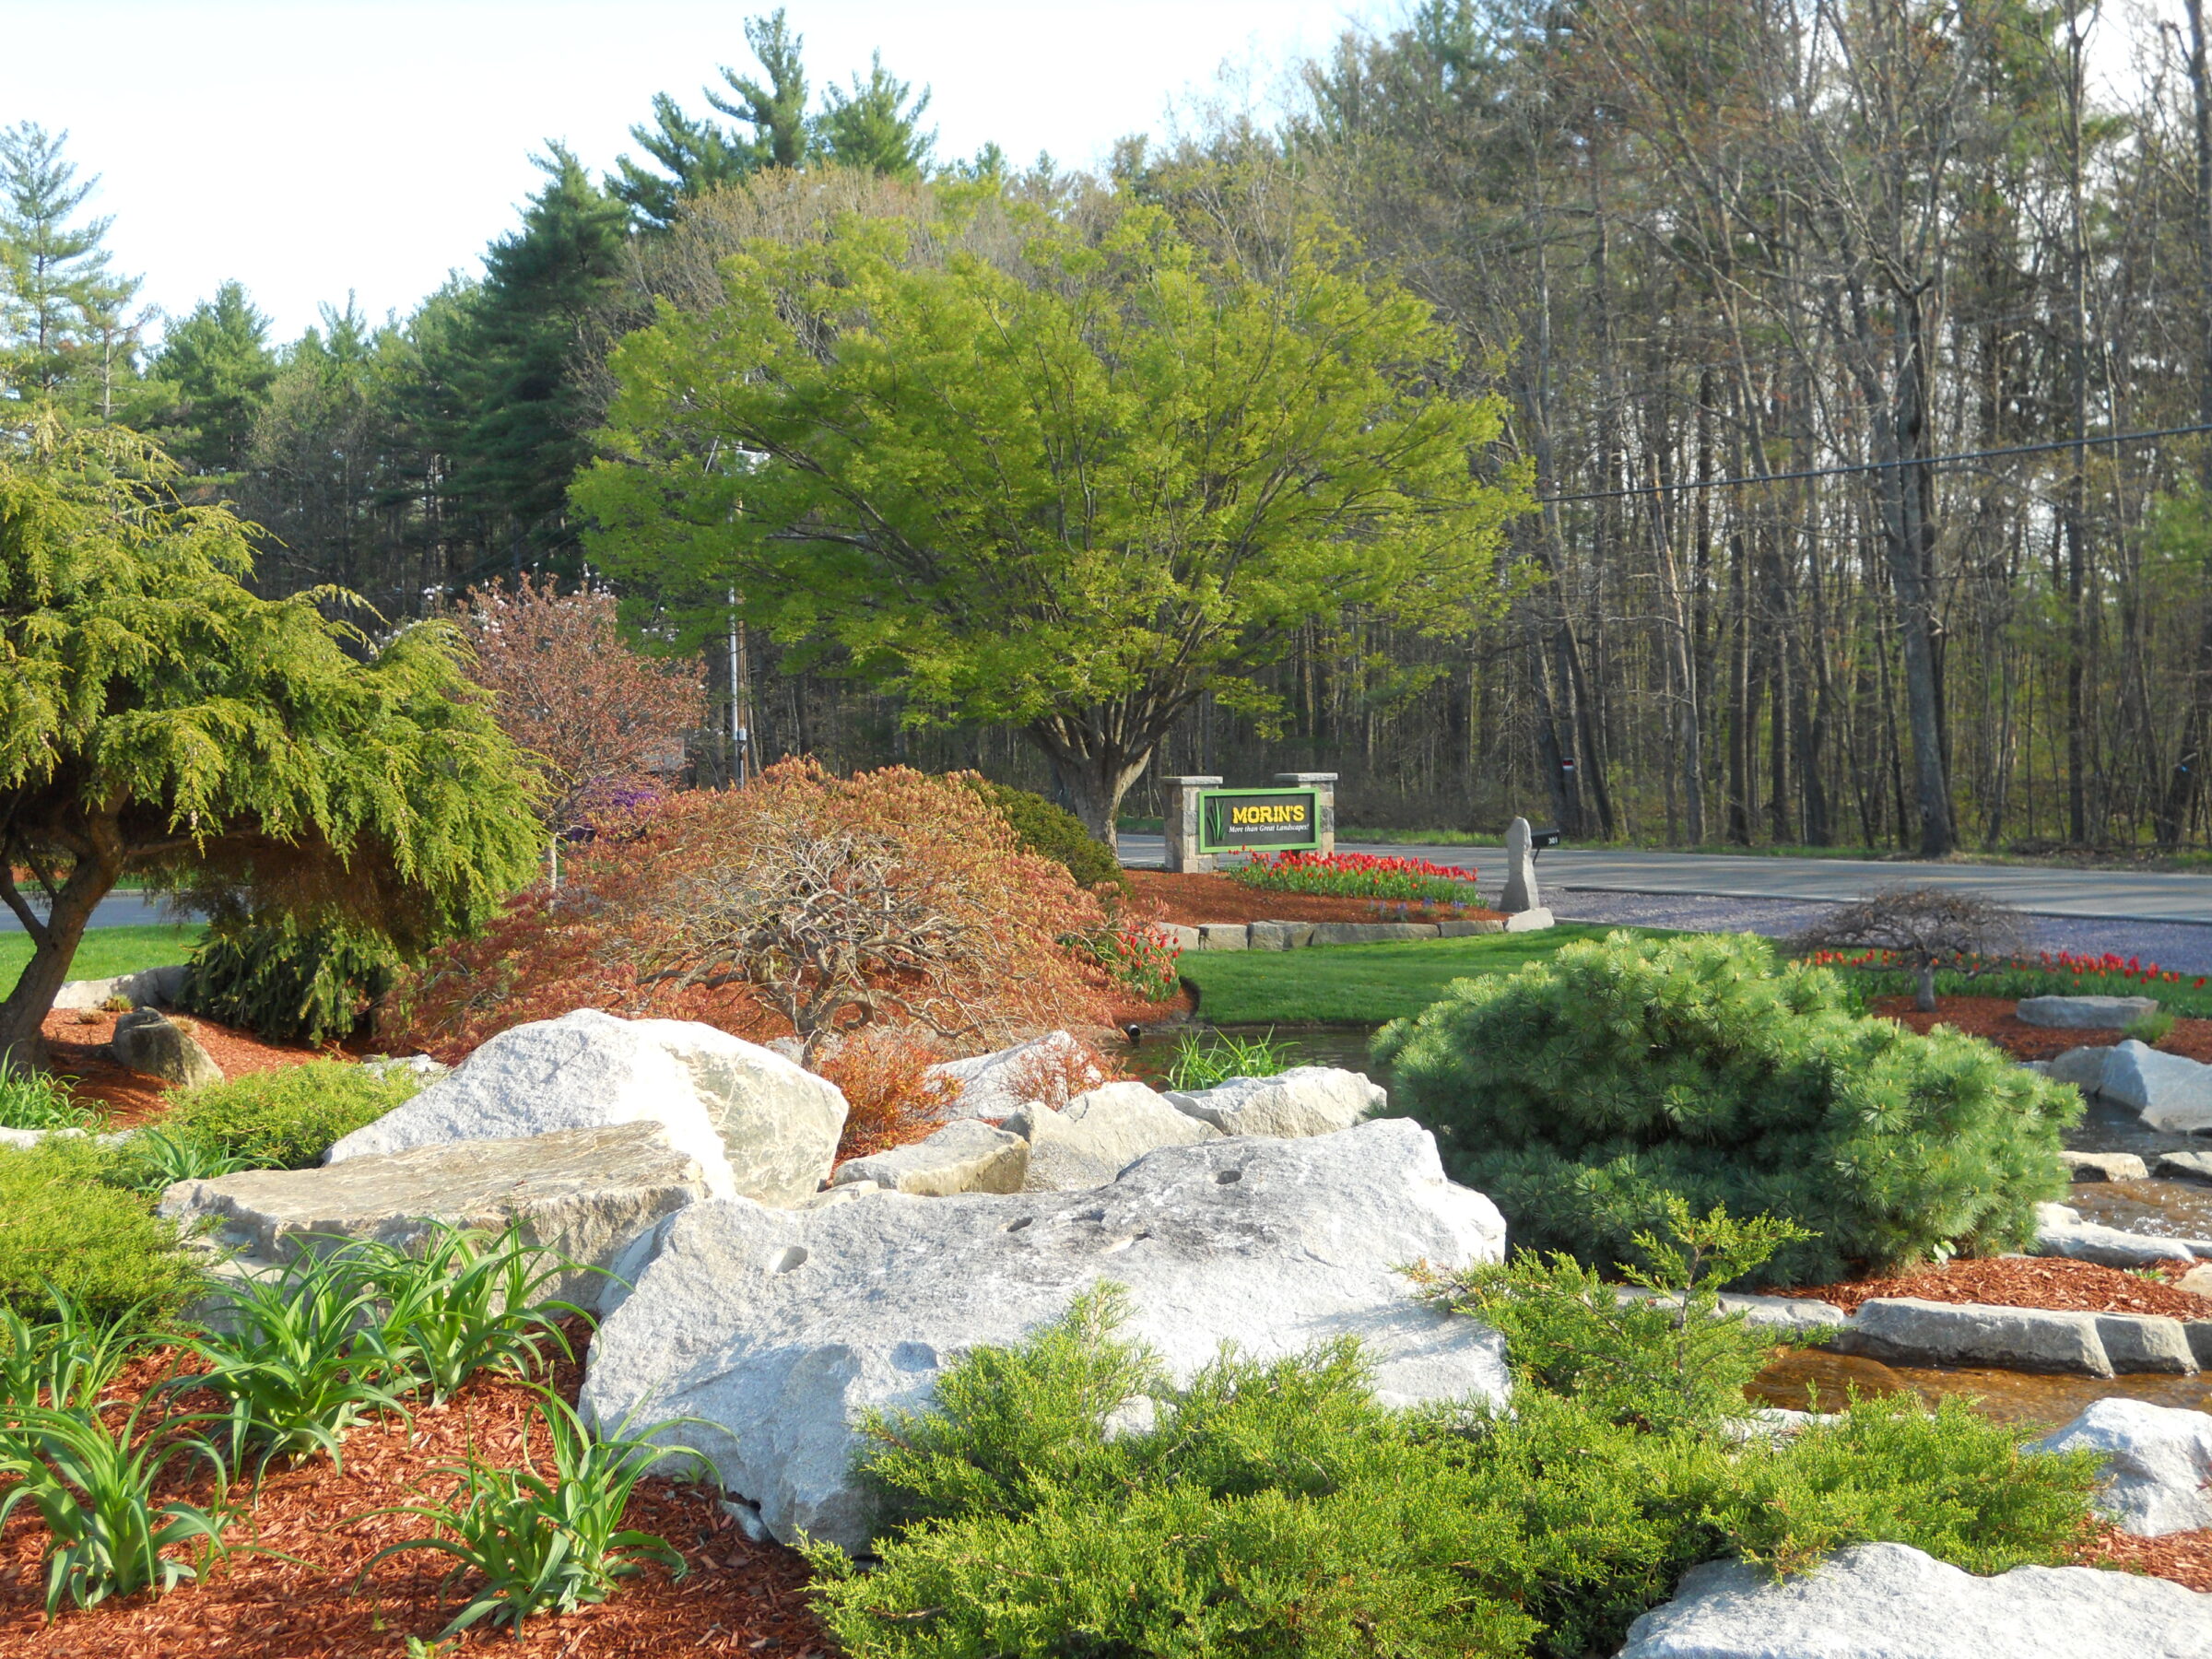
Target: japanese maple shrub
[{"x": 1586, "y": 1093}]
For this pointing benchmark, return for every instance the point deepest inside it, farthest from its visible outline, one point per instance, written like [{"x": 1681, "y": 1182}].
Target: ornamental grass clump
[{"x": 1586, "y": 1093}]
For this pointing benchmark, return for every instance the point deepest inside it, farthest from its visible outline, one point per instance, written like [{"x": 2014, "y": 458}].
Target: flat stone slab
[
  {"x": 1906, "y": 1330},
  {"x": 1305, "y": 1100},
  {"x": 2185, "y": 1166},
  {"x": 963, "y": 1157},
  {"x": 2061, "y": 1231},
  {"x": 586, "y": 1194},
  {"x": 1889, "y": 1601},
  {"x": 2104, "y": 1166},
  {"x": 779, "y": 1328},
  {"x": 2084, "y": 1013},
  {"x": 2175, "y": 1094},
  {"x": 1471, "y": 929},
  {"x": 1099, "y": 1133},
  {"x": 1371, "y": 933},
  {"x": 1224, "y": 936},
  {"x": 2158, "y": 1463},
  {"x": 1535, "y": 920},
  {"x": 1279, "y": 935}
]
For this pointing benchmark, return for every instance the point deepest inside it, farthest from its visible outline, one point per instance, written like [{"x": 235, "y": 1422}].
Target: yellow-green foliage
[
  {"x": 287, "y": 1118},
  {"x": 62, "y": 1228}
]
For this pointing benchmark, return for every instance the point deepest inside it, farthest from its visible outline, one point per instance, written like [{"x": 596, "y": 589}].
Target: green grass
[
  {"x": 107, "y": 951},
  {"x": 1359, "y": 984}
]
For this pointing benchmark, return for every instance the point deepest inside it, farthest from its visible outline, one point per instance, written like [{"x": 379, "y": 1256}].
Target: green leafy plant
[
  {"x": 1667, "y": 1359},
  {"x": 39, "y": 1099},
  {"x": 1222, "y": 1055},
  {"x": 468, "y": 1301},
  {"x": 1055, "y": 833},
  {"x": 1136, "y": 956},
  {"x": 287, "y": 1119},
  {"x": 287, "y": 982},
  {"x": 298, "y": 1357},
  {"x": 94, "y": 1486},
  {"x": 64, "y": 1230},
  {"x": 2151, "y": 1029},
  {"x": 1584, "y": 1092},
  {"x": 546, "y": 1542},
  {"x": 64, "y": 1361},
  {"x": 150, "y": 1162}
]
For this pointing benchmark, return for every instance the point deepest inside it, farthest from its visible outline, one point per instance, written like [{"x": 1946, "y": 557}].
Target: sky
[{"x": 316, "y": 147}]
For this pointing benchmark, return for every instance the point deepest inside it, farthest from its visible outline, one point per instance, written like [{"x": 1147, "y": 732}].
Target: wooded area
[{"x": 1740, "y": 271}]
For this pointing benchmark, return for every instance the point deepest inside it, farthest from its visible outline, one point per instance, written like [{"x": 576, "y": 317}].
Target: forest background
[{"x": 1741, "y": 270}]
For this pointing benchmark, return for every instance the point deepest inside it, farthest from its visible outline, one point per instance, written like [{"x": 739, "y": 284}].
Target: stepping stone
[
  {"x": 2104, "y": 1166},
  {"x": 2084, "y": 1013},
  {"x": 2186, "y": 1166}
]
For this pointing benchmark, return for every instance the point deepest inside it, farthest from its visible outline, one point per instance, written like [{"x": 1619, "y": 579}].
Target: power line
[{"x": 1867, "y": 466}]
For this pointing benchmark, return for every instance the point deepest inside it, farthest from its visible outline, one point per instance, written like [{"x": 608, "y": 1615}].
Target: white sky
[{"x": 312, "y": 146}]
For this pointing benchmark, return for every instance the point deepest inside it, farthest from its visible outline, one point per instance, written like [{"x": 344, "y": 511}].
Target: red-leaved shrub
[
  {"x": 890, "y": 1098},
  {"x": 802, "y": 904}
]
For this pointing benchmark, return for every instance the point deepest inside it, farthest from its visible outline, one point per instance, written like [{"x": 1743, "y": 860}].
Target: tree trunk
[
  {"x": 1096, "y": 761},
  {"x": 1924, "y": 976},
  {"x": 53, "y": 940}
]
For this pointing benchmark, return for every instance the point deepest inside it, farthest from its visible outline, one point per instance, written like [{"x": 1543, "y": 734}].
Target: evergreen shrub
[
  {"x": 288, "y": 982},
  {"x": 64, "y": 1229},
  {"x": 1585, "y": 1092},
  {"x": 1055, "y": 833},
  {"x": 287, "y": 1118}
]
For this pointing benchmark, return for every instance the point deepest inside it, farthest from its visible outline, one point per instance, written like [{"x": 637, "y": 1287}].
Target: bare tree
[{"x": 1925, "y": 928}]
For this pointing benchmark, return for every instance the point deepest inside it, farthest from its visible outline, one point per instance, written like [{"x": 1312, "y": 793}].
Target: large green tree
[
  {"x": 1075, "y": 487},
  {"x": 693, "y": 156},
  {"x": 217, "y": 364},
  {"x": 62, "y": 308},
  {"x": 158, "y": 719}
]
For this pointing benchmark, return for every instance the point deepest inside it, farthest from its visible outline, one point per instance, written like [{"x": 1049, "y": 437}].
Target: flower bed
[
  {"x": 2050, "y": 974},
  {"x": 1358, "y": 876},
  {"x": 1993, "y": 1018},
  {"x": 1189, "y": 899}
]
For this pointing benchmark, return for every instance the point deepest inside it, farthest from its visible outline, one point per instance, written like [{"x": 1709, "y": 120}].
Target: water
[
  {"x": 1342, "y": 1046},
  {"x": 2032, "y": 1401}
]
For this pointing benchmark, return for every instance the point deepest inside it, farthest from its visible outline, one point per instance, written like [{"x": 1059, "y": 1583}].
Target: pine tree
[
  {"x": 873, "y": 125},
  {"x": 696, "y": 155},
  {"x": 63, "y": 311},
  {"x": 218, "y": 363}
]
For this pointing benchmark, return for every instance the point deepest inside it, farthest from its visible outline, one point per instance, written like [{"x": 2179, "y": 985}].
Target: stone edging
[{"x": 1295, "y": 935}]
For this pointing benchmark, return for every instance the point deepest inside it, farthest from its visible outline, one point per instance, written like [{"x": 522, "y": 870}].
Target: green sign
[{"x": 1259, "y": 820}]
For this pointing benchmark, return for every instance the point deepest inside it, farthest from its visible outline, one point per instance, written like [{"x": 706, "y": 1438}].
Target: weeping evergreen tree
[{"x": 158, "y": 719}]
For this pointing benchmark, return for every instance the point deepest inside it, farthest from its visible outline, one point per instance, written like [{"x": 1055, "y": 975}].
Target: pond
[
  {"x": 2009, "y": 1396},
  {"x": 1342, "y": 1046}
]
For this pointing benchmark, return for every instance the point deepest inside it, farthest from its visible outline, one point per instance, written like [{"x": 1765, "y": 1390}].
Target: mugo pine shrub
[{"x": 1584, "y": 1092}]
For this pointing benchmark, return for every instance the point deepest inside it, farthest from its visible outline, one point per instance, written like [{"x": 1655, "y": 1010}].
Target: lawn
[
  {"x": 107, "y": 951},
  {"x": 1359, "y": 984}
]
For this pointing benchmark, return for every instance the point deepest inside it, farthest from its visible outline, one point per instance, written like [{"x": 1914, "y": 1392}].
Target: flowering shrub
[
  {"x": 802, "y": 904},
  {"x": 1138, "y": 956},
  {"x": 2046, "y": 973},
  {"x": 1357, "y": 875}
]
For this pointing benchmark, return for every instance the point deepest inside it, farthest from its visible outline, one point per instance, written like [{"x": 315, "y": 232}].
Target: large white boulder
[
  {"x": 1889, "y": 1601},
  {"x": 1101, "y": 1134},
  {"x": 778, "y": 1328},
  {"x": 1001, "y": 1083},
  {"x": 758, "y": 1126},
  {"x": 1306, "y": 1100},
  {"x": 2158, "y": 1463},
  {"x": 585, "y": 1195},
  {"x": 2173, "y": 1094},
  {"x": 963, "y": 1157}
]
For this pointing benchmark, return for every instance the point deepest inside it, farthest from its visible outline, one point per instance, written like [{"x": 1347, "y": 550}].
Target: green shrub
[
  {"x": 1584, "y": 1092},
  {"x": 64, "y": 1229},
  {"x": 2151, "y": 1029},
  {"x": 1052, "y": 832},
  {"x": 38, "y": 1100},
  {"x": 289, "y": 983},
  {"x": 286, "y": 1118}
]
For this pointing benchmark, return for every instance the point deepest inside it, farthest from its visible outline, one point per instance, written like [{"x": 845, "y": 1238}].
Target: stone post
[
  {"x": 1181, "y": 825},
  {"x": 1520, "y": 871},
  {"x": 1323, "y": 785}
]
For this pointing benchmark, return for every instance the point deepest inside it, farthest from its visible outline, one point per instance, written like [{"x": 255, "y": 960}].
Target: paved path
[{"x": 2103, "y": 895}]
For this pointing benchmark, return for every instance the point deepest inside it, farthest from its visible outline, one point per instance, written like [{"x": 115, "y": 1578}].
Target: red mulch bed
[
  {"x": 2185, "y": 1558},
  {"x": 2027, "y": 1282},
  {"x": 79, "y": 1043},
  {"x": 738, "y": 1598},
  {"x": 1190, "y": 900},
  {"x": 1992, "y": 1017}
]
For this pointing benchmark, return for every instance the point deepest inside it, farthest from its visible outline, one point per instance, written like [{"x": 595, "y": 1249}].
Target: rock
[
  {"x": 2173, "y": 1094},
  {"x": 2084, "y": 1013},
  {"x": 411, "y": 1065},
  {"x": 2083, "y": 1067},
  {"x": 1520, "y": 870},
  {"x": 1280, "y": 936},
  {"x": 1905, "y": 1330},
  {"x": 1098, "y": 1135},
  {"x": 1371, "y": 933},
  {"x": 584, "y": 1194},
  {"x": 1306, "y": 1100},
  {"x": 1786, "y": 1312},
  {"x": 778, "y": 1328},
  {"x": 2197, "y": 1280},
  {"x": 2145, "y": 1342},
  {"x": 2104, "y": 1166},
  {"x": 963, "y": 1157},
  {"x": 1179, "y": 934},
  {"x": 1535, "y": 918},
  {"x": 2061, "y": 1231},
  {"x": 2158, "y": 1462},
  {"x": 758, "y": 1126},
  {"x": 1467, "y": 930},
  {"x": 1223, "y": 936},
  {"x": 143, "y": 989},
  {"x": 1890, "y": 1601},
  {"x": 2185, "y": 1166},
  {"x": 999, "y": 1084},
  {"x": 148, "y": 1042}
]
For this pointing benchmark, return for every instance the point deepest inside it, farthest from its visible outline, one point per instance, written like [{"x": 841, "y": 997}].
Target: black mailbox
[{"x": 1540, "y": 839}]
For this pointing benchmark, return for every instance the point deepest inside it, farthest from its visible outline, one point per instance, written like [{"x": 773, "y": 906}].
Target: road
[
  {"x": 2098, "y": 895},
  {"x": 117, "y": 910}
]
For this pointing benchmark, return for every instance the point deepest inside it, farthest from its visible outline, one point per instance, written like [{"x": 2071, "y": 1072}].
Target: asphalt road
[
  {"x": 117, "y": 910},
  {"x": 2098, "y": 895}
]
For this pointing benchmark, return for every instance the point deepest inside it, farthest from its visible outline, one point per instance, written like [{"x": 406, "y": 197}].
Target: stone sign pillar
[
  {"x": 1520, "y": 871},
  {"x": 1181, "y": 825},
  {"x": 1323, "y": 785}
]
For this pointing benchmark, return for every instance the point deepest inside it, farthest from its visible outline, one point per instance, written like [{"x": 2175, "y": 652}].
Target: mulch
[
  {"x": 78, "y": 1044},
  {"x": 738, "y": 1598},
  {"x": 1992, "y": 1017},
  {"x": 2025, "y": 1282},
  {"x": 2185, "y": 1558},
  {"x": 1190, "y": 900}
]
